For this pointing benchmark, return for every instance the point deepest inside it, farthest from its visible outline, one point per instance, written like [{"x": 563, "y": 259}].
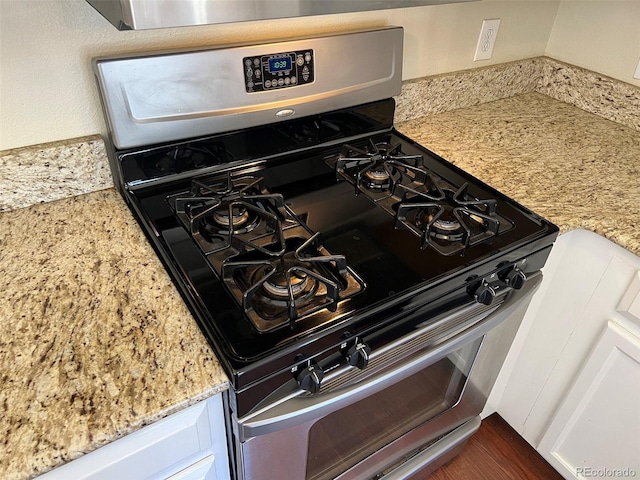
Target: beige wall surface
[
  {"x": 47, "y": 90},
  {"x": 603, "y": 36}
]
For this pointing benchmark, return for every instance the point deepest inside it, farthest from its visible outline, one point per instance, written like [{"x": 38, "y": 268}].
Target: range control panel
[{"x": 280, "y": 70}]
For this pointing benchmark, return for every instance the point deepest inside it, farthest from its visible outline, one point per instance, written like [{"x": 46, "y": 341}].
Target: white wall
[
  {"x": 47, "y": 91},
  {"x": 603, "y": 36}
]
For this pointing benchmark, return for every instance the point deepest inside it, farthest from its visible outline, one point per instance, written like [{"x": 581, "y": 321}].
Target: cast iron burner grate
[
  {"x": 378, "y": 168},
  {"x": 279, "y": 289},
  {"x": 233, "y": 213},
  {"x": 450, "y": 222},
  {"x": 445, "y": 217}
]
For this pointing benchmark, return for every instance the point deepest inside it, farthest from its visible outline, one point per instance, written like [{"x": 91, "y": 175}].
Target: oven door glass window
[{"x": 345, "y": 437}]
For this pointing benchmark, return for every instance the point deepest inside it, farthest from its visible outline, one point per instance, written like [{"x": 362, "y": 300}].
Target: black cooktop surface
[{"x": 393, "y": 262}]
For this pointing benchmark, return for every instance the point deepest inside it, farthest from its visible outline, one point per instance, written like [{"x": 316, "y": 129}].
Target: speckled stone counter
[
  {"x": 577, "y": 169},
  {"x": 51, "y": 171},
  {"x": 96, "y": 341}
]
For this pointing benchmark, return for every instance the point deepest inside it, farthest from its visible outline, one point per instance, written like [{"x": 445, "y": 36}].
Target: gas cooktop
[
  {"x": 274, "y": 251},
  {"x": 290, "y": 212}
]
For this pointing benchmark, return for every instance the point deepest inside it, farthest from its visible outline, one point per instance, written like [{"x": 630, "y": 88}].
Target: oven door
[{"x": 418, "y": 399}]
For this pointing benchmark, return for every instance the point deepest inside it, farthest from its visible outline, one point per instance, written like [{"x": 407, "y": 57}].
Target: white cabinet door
[
  {"x": 585, "y": 279},
  {"x": 596, "y": 430},
  {"x": 190, "y": 444}
]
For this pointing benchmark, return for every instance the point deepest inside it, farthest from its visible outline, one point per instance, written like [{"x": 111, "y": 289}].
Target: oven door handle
[{"x": 301, "y": 407}]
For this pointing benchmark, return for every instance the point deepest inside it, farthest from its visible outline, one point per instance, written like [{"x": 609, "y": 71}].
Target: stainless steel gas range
[{"x": 360, "y": 291}]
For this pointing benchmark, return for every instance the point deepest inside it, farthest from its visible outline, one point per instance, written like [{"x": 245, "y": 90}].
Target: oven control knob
[
  {"x": 310, "y": 377},
  {"x": 484, "y": 294},
  {"x": 514, "y": 278},
  {"x": 358, "y": 355}
]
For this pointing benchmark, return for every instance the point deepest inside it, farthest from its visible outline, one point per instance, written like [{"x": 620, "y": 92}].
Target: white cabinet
[
  {"x": 190, "y": 444},
  {"x": 547, "y": 392},
  {"x": 596, "y": 430}
]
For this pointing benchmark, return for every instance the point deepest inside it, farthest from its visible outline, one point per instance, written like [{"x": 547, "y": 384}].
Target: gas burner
[
  {"x": 236, "y": 217},
  {"x": 453, "y": 224},
  {"x": 377, "y": 168},
  {"x": 378, "y": 177},
  {"x": 278, "y": 286},
  {"x": 281, "y": 289},
  {"x": 234, "y": 213},
  {"x": 447, "y": 225},
  {"x": 286, "y": 280},
  {"x": 232, "y": 218},
  {"x": 443, "y": 228}
]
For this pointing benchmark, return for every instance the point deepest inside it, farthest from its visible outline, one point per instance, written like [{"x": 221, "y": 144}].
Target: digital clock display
[
  {"x": 272, "y": 71},
  {"x": 279, "y": 64}
]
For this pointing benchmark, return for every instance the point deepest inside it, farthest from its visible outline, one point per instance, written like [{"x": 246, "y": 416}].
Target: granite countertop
[
  {"x": 574, "y": 168},
  {"x": 95, "y": 343},
  {"x": 96, "y": 340}
]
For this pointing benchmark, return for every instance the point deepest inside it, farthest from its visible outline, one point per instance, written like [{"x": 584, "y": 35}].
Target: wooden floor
[{"x": 495, "y": 452}]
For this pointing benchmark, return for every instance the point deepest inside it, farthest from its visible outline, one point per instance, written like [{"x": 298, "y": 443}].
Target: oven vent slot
[{"x": 429, "y": 336}]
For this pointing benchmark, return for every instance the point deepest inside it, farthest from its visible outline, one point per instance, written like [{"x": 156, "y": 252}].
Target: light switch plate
[{"x": 487, "y": 39}]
